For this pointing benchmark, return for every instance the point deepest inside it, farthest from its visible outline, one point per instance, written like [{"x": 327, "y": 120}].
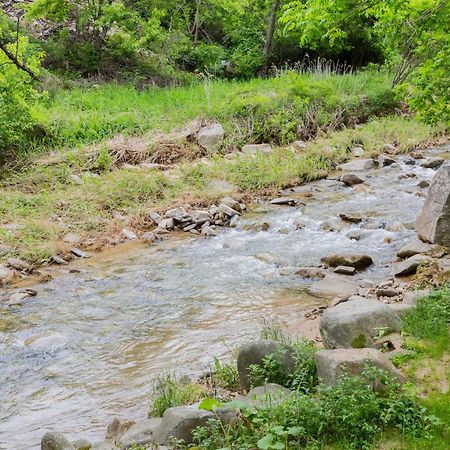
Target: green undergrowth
[
  {"x": 350, "y": 414},
  {"x": 49, "y": 197},
  {"x": 277, "y": 110}
]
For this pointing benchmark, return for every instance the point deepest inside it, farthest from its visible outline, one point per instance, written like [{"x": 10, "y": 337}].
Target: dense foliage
[{"x": 17, "y": 93}]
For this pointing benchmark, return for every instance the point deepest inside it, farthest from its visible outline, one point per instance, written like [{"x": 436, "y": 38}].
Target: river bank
[{"x": 163, "y": 305}]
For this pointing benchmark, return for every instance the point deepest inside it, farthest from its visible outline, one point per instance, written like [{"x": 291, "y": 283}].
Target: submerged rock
[
  {"x": 254, "y": 353},
  {"x": 433, "y": 223},
  {"x": 432, "y": 163},
  {"x": 352, "y": 260},
  {"x": 55, "y": 441},
  {"x": 332, "y": 364},
  {"x": 350, "y": 179},
  {"x": 356, "y": 323}
]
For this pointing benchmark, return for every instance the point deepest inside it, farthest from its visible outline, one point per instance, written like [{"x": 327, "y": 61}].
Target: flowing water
[{"x": 89, "y": 345}]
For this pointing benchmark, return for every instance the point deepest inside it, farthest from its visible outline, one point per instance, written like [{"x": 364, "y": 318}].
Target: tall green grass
[{"x": 271, "y": 109}]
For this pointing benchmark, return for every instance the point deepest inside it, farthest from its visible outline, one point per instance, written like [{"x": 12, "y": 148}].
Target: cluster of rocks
[{"x": 203, "y": 222}]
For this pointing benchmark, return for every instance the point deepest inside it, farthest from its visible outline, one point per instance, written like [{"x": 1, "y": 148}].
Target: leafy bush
[
  {"x": 226, "y": 375},
  {"x": 350, "y": 414},
  {"x": 169, "y": 392},
  {"x": 17, "y": 93}
]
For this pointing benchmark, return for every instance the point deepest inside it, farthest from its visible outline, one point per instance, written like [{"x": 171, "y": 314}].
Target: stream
[{"x": 90, "y": 344}]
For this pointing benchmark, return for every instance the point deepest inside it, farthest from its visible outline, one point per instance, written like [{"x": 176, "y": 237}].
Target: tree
[
  {"x": 269, "y": 36},
  {"x": 414, "y": 36}
]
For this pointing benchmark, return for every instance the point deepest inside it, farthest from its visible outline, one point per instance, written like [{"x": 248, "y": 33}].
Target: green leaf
[
  {"x": 208, "y": 404},
  {"x": 266, "y": 442}
]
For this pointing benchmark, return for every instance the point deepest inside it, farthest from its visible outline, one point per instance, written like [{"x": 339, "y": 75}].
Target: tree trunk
[
  {"x": 269, "y": 36},
  {"x": 197, "y": 20}
]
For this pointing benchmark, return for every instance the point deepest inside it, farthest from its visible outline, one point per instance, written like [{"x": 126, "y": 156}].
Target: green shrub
[
  {"x": 350, "y": 414},
  {"x": 169, "y": 392},
  {"x": 226, "y": 375}
]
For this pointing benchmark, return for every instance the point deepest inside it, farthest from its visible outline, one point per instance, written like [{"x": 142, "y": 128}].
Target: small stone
[
  {"x": 58, "y": 260},
  {"x": 310, "y": 272},
  {"x": 350, "y": 219},
  {"x": 79, "y": 253},
  {"x": 423, "y": 184},
  {"x": 389, "y": 148},
  {"x": 417, "y": 154},
  {"x": 353, "y": 260},
  {"x": 18, "y": 264},
  {"x": 345, "y": 270},
  {"x": 155, "y": 217},
  {"x": 149, "y": 237},
  {"x": 386, "y": 292},
  {"x": 298, "y": 145},
  {"x": 284, "y": 201},
  {"x": 432, "y": 163},
  {"x": 6, "y": 275},
  {"x": 232, "y": 203},
  {"x": 208, "y": 232},
  {"x": 358, "y": 151},
  {"x": 167, "y": 224},
  {"x": 129, "y": 234},
  {"x": 384, "y": 160},
  {"x": 211, "y": 137},
  {"x": 225, "y": 209},
  {"x": 351, "y": 179},
  {"x": 333, "y": 285},
  {"x": 234, "y": 221},
  {"x": 4, "y": 250}
]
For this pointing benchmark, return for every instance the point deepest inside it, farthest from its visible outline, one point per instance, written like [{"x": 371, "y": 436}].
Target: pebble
[
  {"x": 79, "y": 253},
  {"x": 18, "y": 264},
  {"x": 345, "y": 270},
  {"x": 129, "y": 234}
]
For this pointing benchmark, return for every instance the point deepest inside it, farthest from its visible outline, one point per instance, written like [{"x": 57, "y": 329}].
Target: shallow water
[{"x": 89, "y": 345}]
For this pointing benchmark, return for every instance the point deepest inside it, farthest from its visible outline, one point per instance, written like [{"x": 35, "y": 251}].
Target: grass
[
  {"x": 46, "y": 199},
  {"x": 272, "y": 109}
]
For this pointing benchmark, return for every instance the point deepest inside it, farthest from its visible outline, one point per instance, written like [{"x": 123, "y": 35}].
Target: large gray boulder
[
  {"x": 141, "y": 433},
  {"x": 332, "y": 364},
  {"x": 254, "y": 353},
  {"x": 55, "y": 441},
  {"x": 413, "y": 248},
  {"x": 433, "y": 223},
  {"x": 350, "y": 260},
  {"x": 179, "y": 422},
  {"x": 211, "y": 137},
  {"x": 356, "y": 323}
]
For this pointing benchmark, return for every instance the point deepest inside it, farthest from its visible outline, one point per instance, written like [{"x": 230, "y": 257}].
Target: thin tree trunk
[
  {"x": 14, "y": 60},
  {"x": 197, "y": 20},
  {"x": 269, "y": 36}
]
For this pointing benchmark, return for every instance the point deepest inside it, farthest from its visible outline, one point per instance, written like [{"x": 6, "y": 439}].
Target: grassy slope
[{"x": 45, "y": 200}]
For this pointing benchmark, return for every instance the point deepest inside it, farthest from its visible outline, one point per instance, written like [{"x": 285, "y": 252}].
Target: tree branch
[{"x": 14, "y": 60}]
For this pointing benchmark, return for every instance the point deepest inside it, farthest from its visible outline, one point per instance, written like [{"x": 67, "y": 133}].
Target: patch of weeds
[
  {"x": 226, "y": 375},
  {"x": 169, "y": 392},
  {"x": 348, "y": 415},
  {"x": 430, "y": 320}
]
